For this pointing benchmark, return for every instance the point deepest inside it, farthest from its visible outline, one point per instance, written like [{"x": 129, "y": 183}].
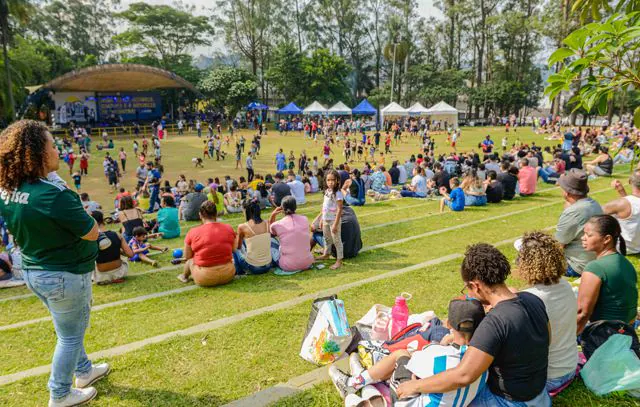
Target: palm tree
[{"x": 19, "y": 10}]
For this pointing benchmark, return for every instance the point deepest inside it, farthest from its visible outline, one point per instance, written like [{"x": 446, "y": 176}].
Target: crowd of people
[{"x": 65, "y": 237}]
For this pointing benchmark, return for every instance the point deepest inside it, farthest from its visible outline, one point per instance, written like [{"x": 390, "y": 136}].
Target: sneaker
[
  {"x": 340, "y": 379},
  {"x": 77, "y": 397},
  {"x": 97, "y": 372},
  {"x": 182, "y": 278},
  {"x": 355, "y": 365}
]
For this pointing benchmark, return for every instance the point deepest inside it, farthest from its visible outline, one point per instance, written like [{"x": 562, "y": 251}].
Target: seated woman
[
  {"x": 625, "y": 156},
  {"x": 608, "y": 284},
  {"x": 215, "y": 196},
  {"x": 168, "y": 223},
  {"x": 379, "y": 181},
  {"x": 131, "y": 217},
  {"x": 418, "y": 187},
  {"x": 353, "y": 189},
  {"x": 233, "y": 199},
  {"x": 474, "y": 190},
  {"x": 208, "y": 250},
  {"x": 252, "y": 252},
  {"x": 292, "y": 252},
  {"x": 110, "y": 268},
  {"x": 541, "y": 264},
  {"x": 602, "y": 165}
]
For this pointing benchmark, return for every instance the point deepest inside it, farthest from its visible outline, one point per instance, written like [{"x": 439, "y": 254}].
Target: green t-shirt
[
  {"x": 168, "y": 222},
  {"x": 47, "y": 221},
  {"x": 618, "y": 297}
]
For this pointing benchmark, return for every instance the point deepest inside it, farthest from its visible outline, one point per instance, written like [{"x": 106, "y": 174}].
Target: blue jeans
[
  {"x": 354, "y": 201},
  {"x": 475, "y": 200},
  {"x": 242, "y": 267},
  {"x": 553, "y": 384},
  {"x": 68, "y": 298},
  {"x": 546, "y": 173},
  {"x": 155, "y": 192},
  {"x": 410, "y": 194},
  {"x": 486, "y": 398}
]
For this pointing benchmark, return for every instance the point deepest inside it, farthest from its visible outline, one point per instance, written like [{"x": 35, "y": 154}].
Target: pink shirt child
[{"x": 295, "y": 249}]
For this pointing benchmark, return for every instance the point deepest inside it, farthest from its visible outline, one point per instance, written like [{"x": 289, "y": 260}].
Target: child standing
[
  {"x": 84, "y": 164},
  {"x": 135, "y": 147},
  {"x": 332, "y": 218},
  {"x": 292, "y": 161},
  {"x": 77, "y": 179}
]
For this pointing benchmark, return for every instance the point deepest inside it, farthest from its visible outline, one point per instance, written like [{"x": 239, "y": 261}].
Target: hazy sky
[{"x": 425, "y": 8}]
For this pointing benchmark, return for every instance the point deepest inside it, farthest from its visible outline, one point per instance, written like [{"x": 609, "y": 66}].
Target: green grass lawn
[{"x": 221, "y": 365}]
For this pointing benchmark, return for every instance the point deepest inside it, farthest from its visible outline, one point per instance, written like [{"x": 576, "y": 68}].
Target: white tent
[
  {"x": 393, "y": 109},
  {"x": 339, "y": 109},
  {"x": 315, "y": 109},
  {"x": 441, "y": 111},
  {"x": 418, "y": 110}
]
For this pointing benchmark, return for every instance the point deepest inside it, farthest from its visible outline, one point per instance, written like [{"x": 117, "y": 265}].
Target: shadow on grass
[{"x": 157, "y": 397}]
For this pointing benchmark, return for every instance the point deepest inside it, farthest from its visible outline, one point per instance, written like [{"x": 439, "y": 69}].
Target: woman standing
[
  {"x": 253, "y": 243},
  {"x": 281, "y": 163},
  {"x": 58, "y": 242}
]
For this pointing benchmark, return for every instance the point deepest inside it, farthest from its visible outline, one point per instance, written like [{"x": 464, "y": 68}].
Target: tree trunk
[
  {"x": 7, "y": 64},
  {"x": 610, "y": 109},
  {"x": 452, "y": 34},
  {"x": 298, "y": 27}
]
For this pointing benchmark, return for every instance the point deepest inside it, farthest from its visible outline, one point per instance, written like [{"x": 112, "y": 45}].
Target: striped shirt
[{"x": 436, "y": 359}]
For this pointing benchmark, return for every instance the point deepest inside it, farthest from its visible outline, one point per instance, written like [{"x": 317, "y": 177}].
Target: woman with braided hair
[{"x": 58, "y": 242}]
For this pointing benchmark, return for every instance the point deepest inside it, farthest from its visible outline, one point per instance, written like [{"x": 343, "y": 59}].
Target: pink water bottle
[{"x": 399, "y": 314}]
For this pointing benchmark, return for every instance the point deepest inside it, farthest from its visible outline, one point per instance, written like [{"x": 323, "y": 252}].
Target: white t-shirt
[
  {"x": 297, "y": 190},
  {"x": 436, "y": 359},
  {"x": 330, "y": 205},
  {"x": 562, "y": 309},
  {"x": 420, "y": 183}
]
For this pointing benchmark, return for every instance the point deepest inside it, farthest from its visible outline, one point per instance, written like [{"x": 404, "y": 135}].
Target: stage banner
[
  {"x": 133, "y": 106},
  {"x": 78, "y": 106}
]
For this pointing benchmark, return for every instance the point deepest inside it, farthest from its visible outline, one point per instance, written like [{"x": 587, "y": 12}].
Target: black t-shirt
[
  {"x": 193, "y": 201},
  {"x": 516, "y": 333},
  {"x": 494, "y": 192},
  {"x": 112, "y": 252},
  {"x": 279, "y": 191},
  {"x": 376, "y": 136},
  {"x": 441, "y": 178},
  {"x": 394, "y": 172},
  {"x": 508, "y": 182}
]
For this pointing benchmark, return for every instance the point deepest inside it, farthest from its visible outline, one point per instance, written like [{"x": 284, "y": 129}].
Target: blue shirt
[{"x": 457, "y": 199}]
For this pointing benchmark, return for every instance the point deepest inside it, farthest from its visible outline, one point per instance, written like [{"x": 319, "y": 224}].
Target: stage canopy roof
[
  {"x": 315, "y": 108},
  {"x": 445, "y": 112},
  {"x": 394, "y": 109},
  {"x": 364, "y": 108},
  {"x": 339, "y": 109},
  {"x": 118, "y": 78},
  {"x": 291, "y": 108}
]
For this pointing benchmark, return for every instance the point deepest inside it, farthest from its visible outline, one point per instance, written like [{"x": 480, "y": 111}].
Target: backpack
[
  {"x": 595, "y": 334},
  {"x": 414, "y": 337}
]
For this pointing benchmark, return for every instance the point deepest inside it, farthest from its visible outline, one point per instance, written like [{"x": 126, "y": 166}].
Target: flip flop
[{"x": 279, "y": 272}]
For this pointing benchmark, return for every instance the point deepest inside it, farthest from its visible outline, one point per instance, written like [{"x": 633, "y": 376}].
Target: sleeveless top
[
  {"x": 112, "y": 252},
  {"x": 258, "y": 248},
  {"x": 630, "y": 225},
  {"x": 607, "y": 165},
  {"x": 130, "y": 224}
]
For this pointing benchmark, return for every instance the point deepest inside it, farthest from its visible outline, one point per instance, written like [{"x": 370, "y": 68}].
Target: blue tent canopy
[
  {"x": 257, "y": 106},
  {"x": 291, "y": 108},
  {"x": 364, "y": 108}
]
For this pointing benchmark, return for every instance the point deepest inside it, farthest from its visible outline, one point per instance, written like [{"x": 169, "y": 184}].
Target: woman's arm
[
  {"x": 274, "y": 214},
  {"x": 472, "y": 365},
  {"x": 124, "y": 247},
  {"x": 588, "y": 294},
  {"x": 239, "y": 237},
  {"x": 187, "y": 252}
]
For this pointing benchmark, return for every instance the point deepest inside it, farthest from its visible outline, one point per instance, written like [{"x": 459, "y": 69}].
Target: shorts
[
  {"x": 213, "y": 275},
  {"x": 450, "y": 206},
  {"x": 485, "y": 398},
  {"x": 136, "y": 257},
  {"x": 113, "y": 180},
  {"x": 105, "y": 277},
  {"x": 326, "y": 156},
  {"x": 600, "y": 172}
]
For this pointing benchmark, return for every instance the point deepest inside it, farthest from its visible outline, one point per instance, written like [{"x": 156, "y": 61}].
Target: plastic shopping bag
[
  {"x": 612, "y": 367},
  {"x": 328, "y": 333}
]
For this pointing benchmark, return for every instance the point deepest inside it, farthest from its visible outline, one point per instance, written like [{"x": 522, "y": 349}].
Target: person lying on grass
[
  {"x": 511, "y": 342},
  {"x": 141, "y": 248},
  {"x": 401, "y": 366}
]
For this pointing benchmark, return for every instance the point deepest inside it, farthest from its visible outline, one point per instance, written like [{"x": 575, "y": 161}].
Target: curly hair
[
  {"x": 485, "y": 263},
  {"x": 541, "y": 259},
  {"x": 22, "y": 153}
]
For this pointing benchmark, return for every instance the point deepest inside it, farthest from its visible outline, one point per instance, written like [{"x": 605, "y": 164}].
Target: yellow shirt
[
  {"x": 254, "y": 184},
  {"x": 220, "y": 204},
  {"x": 143, "y": 202}
]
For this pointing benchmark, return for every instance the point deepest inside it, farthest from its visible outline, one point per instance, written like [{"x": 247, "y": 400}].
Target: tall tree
[
  {"x": 229, "y": 88},
  {"x": 375, "y": 11},
  {"x": 12, "y": 12},
  {"x": 163, "y": 31}
]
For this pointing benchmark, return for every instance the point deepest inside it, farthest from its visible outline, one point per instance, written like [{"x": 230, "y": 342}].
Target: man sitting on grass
[{"x": 464, "y": 317}]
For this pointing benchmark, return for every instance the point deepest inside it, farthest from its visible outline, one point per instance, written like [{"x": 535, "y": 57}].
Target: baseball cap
[
  {"x": 199, "y": 187},
  {"x": 465, "y": 310}
]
